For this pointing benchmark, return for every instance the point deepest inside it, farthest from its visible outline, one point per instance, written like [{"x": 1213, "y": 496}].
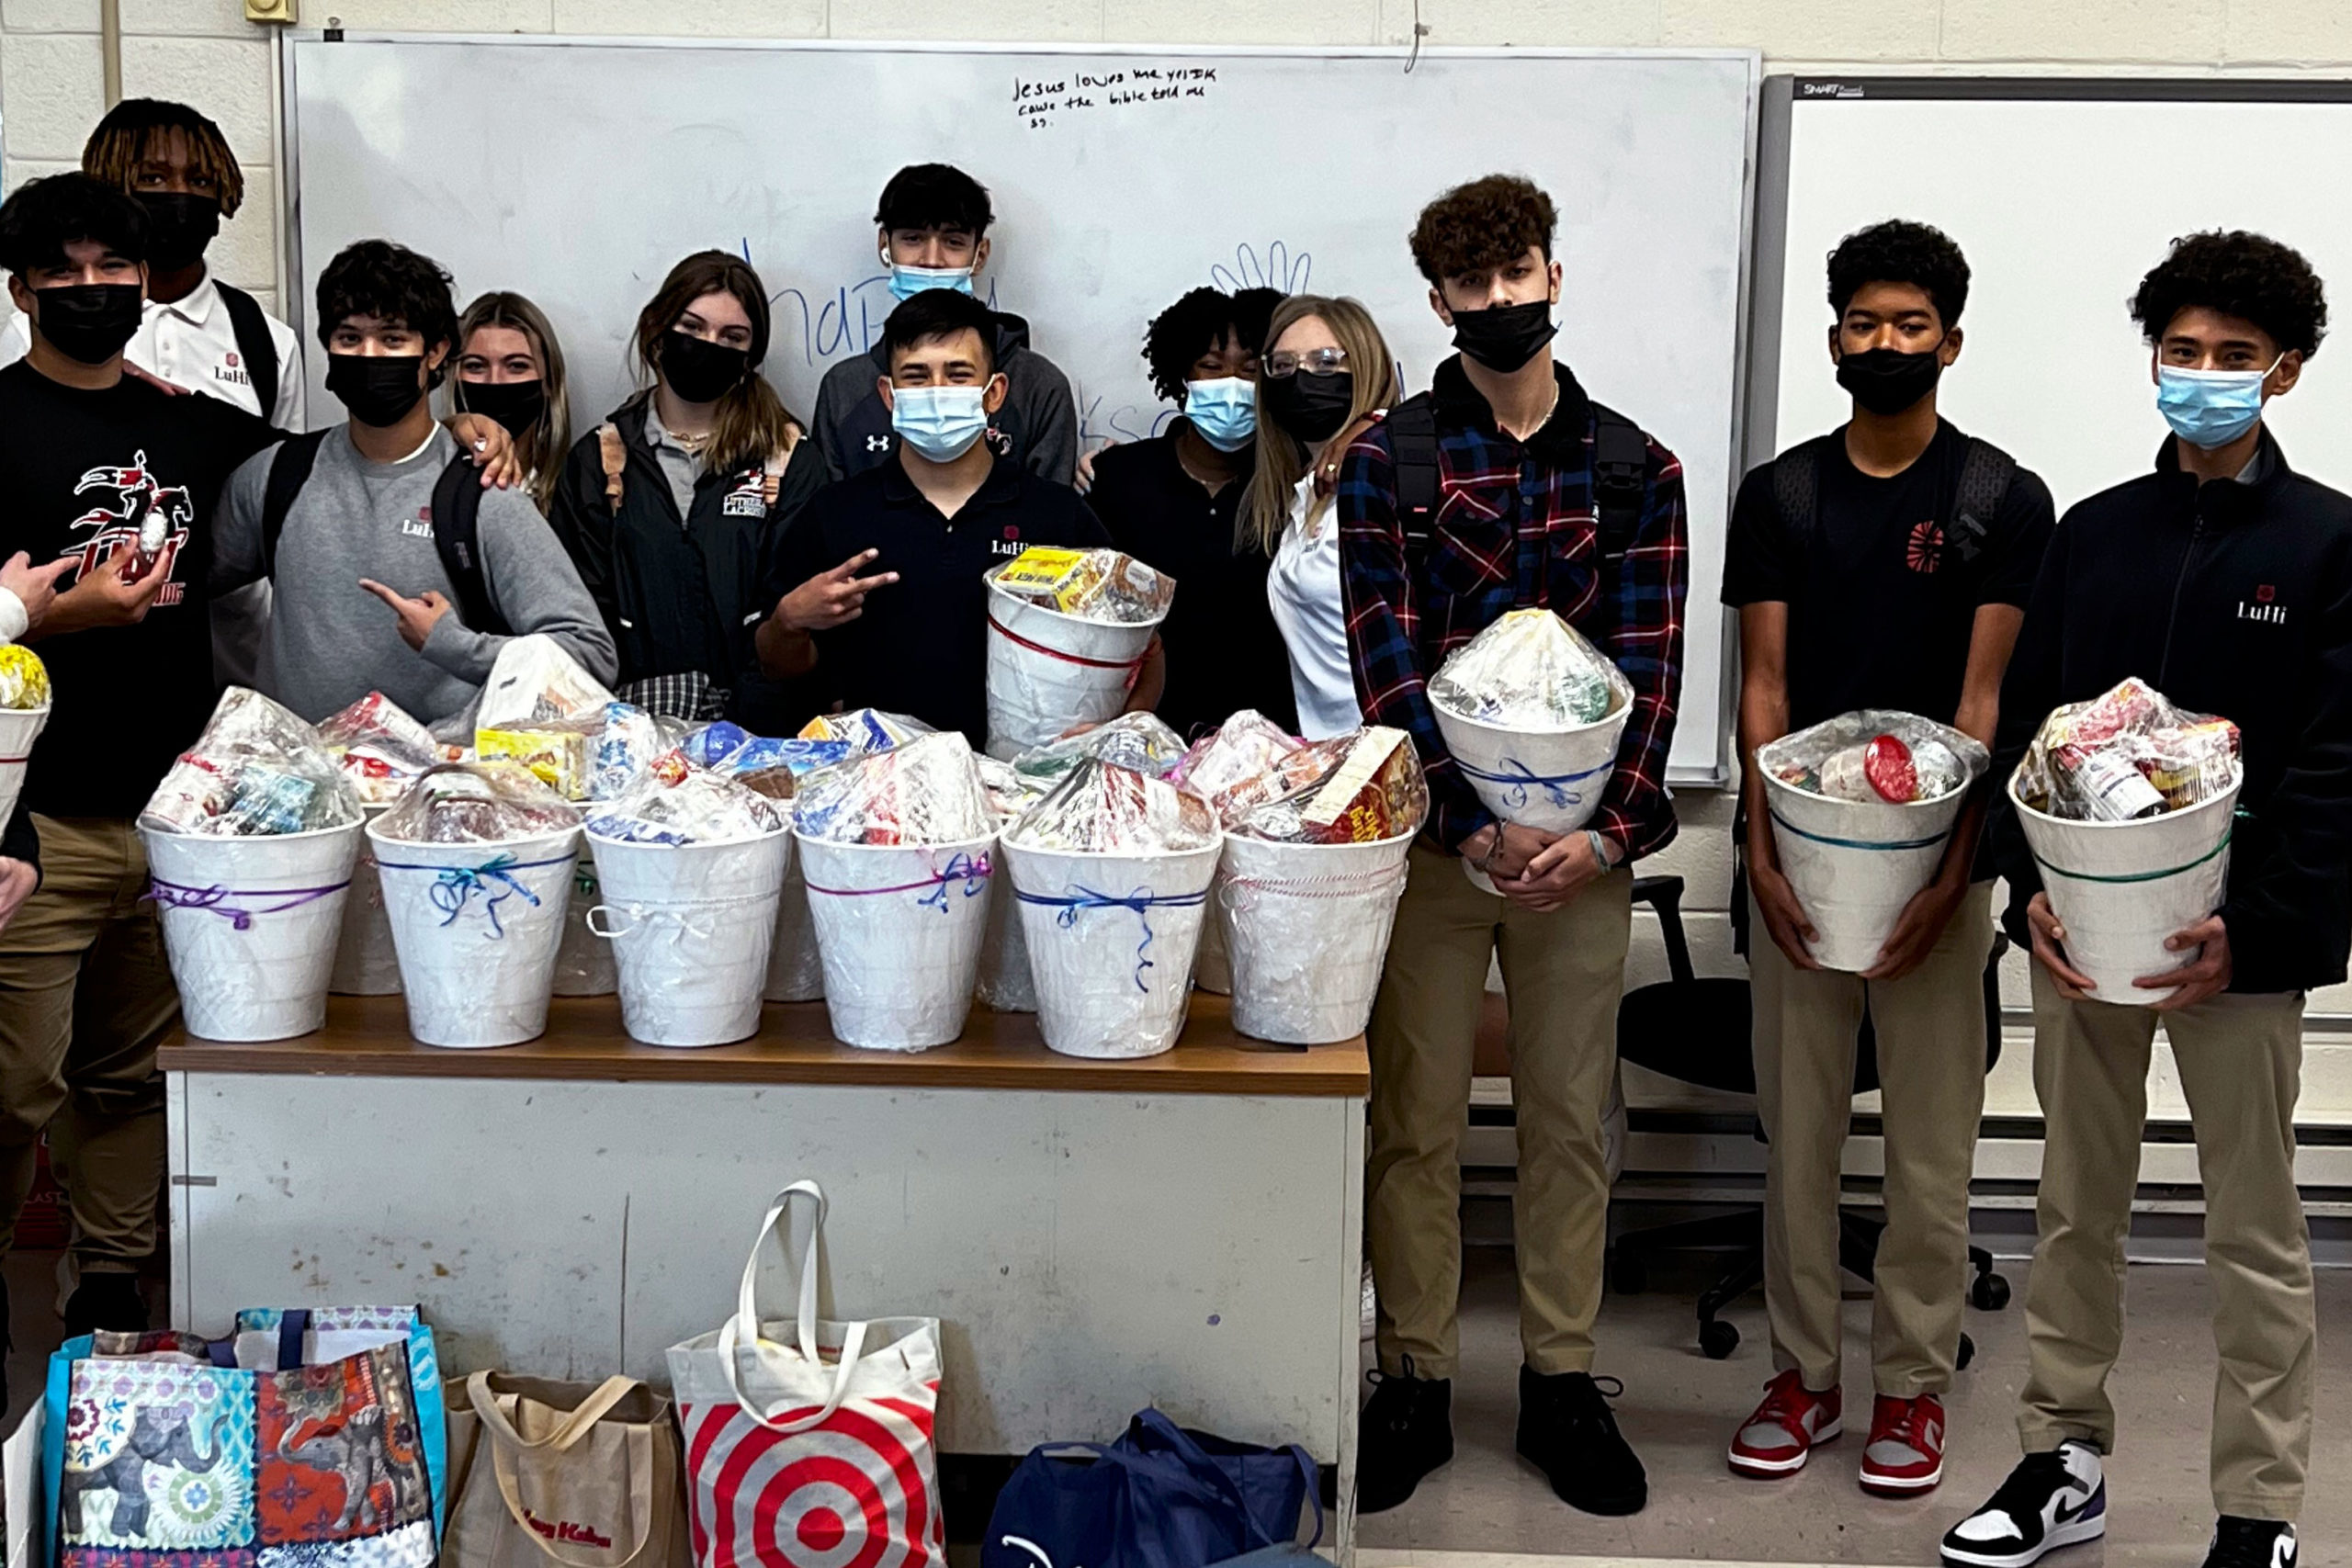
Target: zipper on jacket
[{"x": 2163, "y": 662}]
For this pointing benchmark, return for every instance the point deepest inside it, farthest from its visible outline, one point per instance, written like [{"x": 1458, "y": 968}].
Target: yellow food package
[
  {"x": 559, "y": 756},
  {"x": 24, "y": 679},
  {"x": 1063, "y": 579}
]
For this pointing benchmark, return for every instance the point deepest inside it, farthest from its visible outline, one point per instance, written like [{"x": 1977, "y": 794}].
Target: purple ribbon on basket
[
  {"x": 211, "y": 900},
  {"x": 1518, "y": 775},
  {"x": 458, "y": 884},
  {"x": 1142, "y": 901},
  {"x": 973, "y": 874}
]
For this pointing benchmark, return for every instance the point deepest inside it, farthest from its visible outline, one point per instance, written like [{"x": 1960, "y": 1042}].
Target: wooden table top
[{"x": 368, "y": 1037}]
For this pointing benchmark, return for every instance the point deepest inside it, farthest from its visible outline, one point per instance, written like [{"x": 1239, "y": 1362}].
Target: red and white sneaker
[
  {"x": 1906, "y": 1454},
  {"x": 1780, "y": 1436}
]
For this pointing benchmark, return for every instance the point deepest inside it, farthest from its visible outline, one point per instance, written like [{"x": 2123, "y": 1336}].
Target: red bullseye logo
[{"x": 853, "y": 1493}]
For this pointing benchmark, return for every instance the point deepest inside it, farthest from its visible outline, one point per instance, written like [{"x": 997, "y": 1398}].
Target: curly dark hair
[
  {"x": 136, "y": 127},
  {"x": 2239, "y": 273},
  {"x": 394, "y": 285},
  {"x": 1202, "y": 320},
  {"x": 1899, "y": 251},
  {"x": 1482, "y": 224},
  {"x": 938, "y": 313},
  {"x": 41, "y": 217},
  {"x": 934, "y": 196}
]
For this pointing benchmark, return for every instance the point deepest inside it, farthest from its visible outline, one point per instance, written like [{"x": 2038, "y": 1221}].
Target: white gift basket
[
  {"x": 691, "y": 927},
  {"x": 1110, "y": 942},
  {"x": 1307, "y": 929},
  {"x": 477, "y": 926},
  {"x": 251, "y": 924},
  {"x": 1049, "y": 671},
  {"x": 900, "y": 926}
]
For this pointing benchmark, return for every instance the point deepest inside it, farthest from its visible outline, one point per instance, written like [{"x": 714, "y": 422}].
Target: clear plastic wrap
[
  {"x": 1531, "y": 671},
  {"x": 690, "y": 924},
  {"x": 535, "y": 683},
  {"x": 1010, "y": 794},
  {"x": 1305, "y": 929},
  {"x": 1349, "y": 789},
  {"x": 380, "y": 746},
  {"x": 926, "y": 792},
  {"x": 776, "y": 768},
  {"x": 1094, "y": 585},
  {"x": 675, "y": 803},
  {"x": 477, "y": 803},
  {"x": 868, "y": 729},
  {"x": 1242, "y": 747},
  {"x": 1140, "y": 742},
  {"x": 24, "y": 679},
  {"x": 1874, "y": 755},
  {"x": 2126, "y": 754},
  {"x": 256, "y": 770},
  {"x": 1099, "y": 807}
]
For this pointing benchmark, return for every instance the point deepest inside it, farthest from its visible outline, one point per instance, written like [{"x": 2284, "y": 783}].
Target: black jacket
[
  {"x": 2234, "y": 599},
  {"x": 678, "y": 596}
]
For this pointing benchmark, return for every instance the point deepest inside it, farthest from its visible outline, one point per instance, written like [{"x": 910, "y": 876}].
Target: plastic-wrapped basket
[
  {"x": 1550, "y": 780},
  {"x": 477, "y": 927},
  {"x": 2121, "y": 889},
  {"x": 691, "y": 926},
  {"x": 1111, "y": 943},
  {"x": 251, "y": 926},
  {"x": 1049, "y": 671},
  {"x": 19, "y": 727},
  {"x": 1854, "y": 864},
  {"x": 900, "y": 926},
  {"x": 365, "y": 963},
  {"x": 1307, "y": 929}
]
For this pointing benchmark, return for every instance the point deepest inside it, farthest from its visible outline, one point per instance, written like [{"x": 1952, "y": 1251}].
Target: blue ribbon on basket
[
  {"x": 180, "y": 895},
  {"x": 458, "y": 885},
  {"x": 1142, "y": 901},
  {"x": 1519, "y": 777}
]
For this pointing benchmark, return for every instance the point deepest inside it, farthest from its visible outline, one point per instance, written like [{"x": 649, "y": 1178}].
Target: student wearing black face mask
[
  {"x": 668, "y": 505},
  {"x": 1884, "y": 565},
  {"x": 396, "y": 571},
  {"x": 510, "y": 368}
]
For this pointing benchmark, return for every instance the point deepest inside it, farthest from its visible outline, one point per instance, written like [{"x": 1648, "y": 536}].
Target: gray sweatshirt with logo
[{"x": 330, "y": 642}]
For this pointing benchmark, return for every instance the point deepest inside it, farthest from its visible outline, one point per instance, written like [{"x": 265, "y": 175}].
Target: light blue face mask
[
  {"x": 2210, "y": 408},
  {"x": 939, "y": 423},
  {"x": 1223, "y": 410},
  {"x": 906, "y": 282}
]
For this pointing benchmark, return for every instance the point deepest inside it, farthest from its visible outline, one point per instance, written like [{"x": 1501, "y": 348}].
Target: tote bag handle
[
  {"x": 506, "y": 1441},
  {"x": 1157, "y": 1422},
  {"x": 742, "y": 1332}
]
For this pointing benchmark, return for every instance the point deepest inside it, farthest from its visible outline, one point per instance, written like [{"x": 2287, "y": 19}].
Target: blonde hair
[
  {"x": 1282, "y": 458},
  {"x": 541, "y": 448},
  {"x": 752, "y": 424}
]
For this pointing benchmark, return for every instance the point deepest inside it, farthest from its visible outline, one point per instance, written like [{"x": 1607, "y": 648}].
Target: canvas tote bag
[{"x": 576, "y": 1475}]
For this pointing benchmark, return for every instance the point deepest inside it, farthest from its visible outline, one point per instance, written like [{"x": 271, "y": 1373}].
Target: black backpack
[
  {"x": 457, "y": 524},
  {"x": 1620, "y": 459},
  {"x": 1985, "y": 473},
  {"x": 253, "y": 345}
]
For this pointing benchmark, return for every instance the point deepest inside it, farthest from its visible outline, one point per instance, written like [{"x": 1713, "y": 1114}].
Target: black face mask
[
  {"x": 1312, "y": 408},
  {"x": 1887, "y": 380},
  {"x": 88, "y": 322},
  {"x": 515, "y": 405},
  {"x": 1504, "y": 337},
  {"x": 701, "y": 371},
  {"x": 377, "y": 389},
  {"x": 180, "y": 226}
]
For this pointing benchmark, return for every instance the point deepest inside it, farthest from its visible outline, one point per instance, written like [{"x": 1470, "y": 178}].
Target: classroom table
[{"x": 1094, "y": 1236}]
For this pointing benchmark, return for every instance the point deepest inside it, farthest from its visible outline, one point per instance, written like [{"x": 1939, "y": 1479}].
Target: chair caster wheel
[
  {"x": 1718, "y": 1340},
  {"x": 1988, "y": 1292},
  {"x": 1967, "y": 1352}
]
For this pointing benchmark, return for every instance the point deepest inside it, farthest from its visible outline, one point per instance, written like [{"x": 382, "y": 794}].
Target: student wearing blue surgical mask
[
  {"x": 931, "y": 233},
  {"x": 1174, "y": 502},
  {"x": 876, "y": 584}
]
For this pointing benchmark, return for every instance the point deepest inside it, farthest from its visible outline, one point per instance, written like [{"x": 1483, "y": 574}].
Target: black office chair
[{"x": 1697, "y": 1031}]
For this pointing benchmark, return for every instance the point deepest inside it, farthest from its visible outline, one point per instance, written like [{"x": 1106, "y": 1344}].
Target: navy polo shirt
[{"x": 920, "y": 648}]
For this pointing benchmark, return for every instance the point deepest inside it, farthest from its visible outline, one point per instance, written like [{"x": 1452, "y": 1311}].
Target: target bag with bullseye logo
[{"x": 810, "y": 1444}]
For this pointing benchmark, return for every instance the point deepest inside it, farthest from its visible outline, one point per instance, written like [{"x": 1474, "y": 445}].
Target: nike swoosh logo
[{"x": 2066, "y": 1515}]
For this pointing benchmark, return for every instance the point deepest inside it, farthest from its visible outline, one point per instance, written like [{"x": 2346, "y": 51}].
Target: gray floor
[{"x": 1679, "y": 1408}]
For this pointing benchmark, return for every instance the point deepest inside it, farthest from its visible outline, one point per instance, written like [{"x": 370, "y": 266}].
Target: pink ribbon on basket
[{"x": 1134, "y": 667}]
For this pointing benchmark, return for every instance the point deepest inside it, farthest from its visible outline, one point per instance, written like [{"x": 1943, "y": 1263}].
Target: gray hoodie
[{"x": 330, "y": 642}]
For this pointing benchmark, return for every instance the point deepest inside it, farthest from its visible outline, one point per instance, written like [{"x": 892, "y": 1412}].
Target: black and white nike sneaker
[
  {"x": 2049, "y": 1501},
  {"x": 2251, "y": 1543}
]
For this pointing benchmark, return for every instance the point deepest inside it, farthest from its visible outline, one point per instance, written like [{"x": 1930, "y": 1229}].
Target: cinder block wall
[{"x": 205, "y": 53}]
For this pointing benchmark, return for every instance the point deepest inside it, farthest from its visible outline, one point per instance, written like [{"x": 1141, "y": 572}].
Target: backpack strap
[
  {"x": 1984, "y": 476},
  {"x": 457, "y": 537},
  {"x": 1412, "y": 443},
  {"x": 289, "y": 470},
  {"x": 613, "y": 453},
  {"x": 255, "y": 345},
  {"x": 1621, "y": 460},
  {"x": 1796, "y": 492}
]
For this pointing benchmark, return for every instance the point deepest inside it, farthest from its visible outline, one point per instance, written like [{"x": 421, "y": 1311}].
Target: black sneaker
[
  {"x": 1567, "y": 1431},
  {"x": 2252, "y": 1543},
  {"x": 106, "y": 1300},
  {"x": 2049, "y": 1501},
  {"x": 1408, "y": 1431}
]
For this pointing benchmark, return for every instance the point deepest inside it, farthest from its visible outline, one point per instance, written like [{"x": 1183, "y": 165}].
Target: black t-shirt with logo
[
  {"x": 1882, "y": 596},
  {"x": 920, "y": 645},
  {"x": 81, "y": 472}
]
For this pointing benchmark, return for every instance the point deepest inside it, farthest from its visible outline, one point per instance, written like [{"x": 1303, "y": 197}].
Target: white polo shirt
[{"x": 192, "y": 343}]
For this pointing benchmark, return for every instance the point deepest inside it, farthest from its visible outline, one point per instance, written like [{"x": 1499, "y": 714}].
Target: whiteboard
[
  {"x": 2062, "y": 203},
  {"x": 577, "y": 171}
]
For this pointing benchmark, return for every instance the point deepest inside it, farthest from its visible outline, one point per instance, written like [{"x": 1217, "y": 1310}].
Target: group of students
[{"x": 709, "y": 553}]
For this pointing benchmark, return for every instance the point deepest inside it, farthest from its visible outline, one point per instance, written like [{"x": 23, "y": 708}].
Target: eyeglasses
[{"x": 1315, "y": 362}]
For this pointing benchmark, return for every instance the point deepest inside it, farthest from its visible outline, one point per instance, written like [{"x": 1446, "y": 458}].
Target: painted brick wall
[{"x": 205, "y": 53}]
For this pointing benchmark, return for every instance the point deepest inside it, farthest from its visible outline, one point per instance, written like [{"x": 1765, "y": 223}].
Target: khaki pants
[
  {"x": 1564, "y": 973},
  {"x": 86, "y": 996},
  {"x": 2241, "y": 1063},
  {"x": 1931, "y": 1027}
]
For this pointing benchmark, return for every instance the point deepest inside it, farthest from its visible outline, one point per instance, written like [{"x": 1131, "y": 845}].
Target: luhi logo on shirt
[
  {"x": 139, "y": 498},
  {"x": 1925, "y": 549},
  {"x": 2265, "y": 607},
  {"x": 419, "y": 527},
  {"x": 1008, "y": 543}
]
